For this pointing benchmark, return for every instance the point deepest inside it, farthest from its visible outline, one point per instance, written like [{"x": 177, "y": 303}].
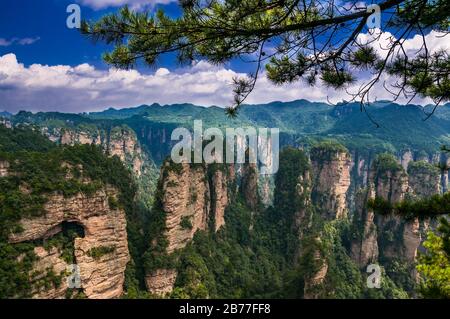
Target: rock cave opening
[{"x": 72, "y": 229}]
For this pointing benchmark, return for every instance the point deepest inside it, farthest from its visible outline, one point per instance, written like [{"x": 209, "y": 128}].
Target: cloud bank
[{"x": 84, "y": 88}]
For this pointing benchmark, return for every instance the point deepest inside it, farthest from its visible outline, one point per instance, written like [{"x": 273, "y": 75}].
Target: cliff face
[
  {"x": 390, "y": 183},
  {"x": 311, "y": 284},
  {"x": 331, "y": 174},
  {"x": 4, "y": 168},
  {"x": 101, "y": 255},
  {"x": 161, "y": 281},
  {"x": 221, "y": 182},
  {"x": 119, "y": 141},
  {"x": 389, "y": 240},
  {"x": 249, "y": 185},
  {"x": 364, "y": 248},
  {"x": 303, "y": 192},
  {"x": 186, "y": 198},
  {"x": 390, "y": 236},
  {"x": 406, "y": 158},
  {"x": 124, "y": 144},
  {"x": 444, "y": 163},
  {"x": 194, "y": 197},
  {"x": 424, "y": 179},
  {"x": 71, "y": 137},
  {"x": 49, "y": 259}
]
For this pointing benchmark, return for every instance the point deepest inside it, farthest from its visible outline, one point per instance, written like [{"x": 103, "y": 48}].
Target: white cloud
[
  {"x": 23, "y": 41},
  {"x": 84, "y": 88},
  {"x": 135, "y": 4},
  {"x": 4, "y": 42},
  {"x": 435, "y": 42},
  {"x": 28, "y": 41}
]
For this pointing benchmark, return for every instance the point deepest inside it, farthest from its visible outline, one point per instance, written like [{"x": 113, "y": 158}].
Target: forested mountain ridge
[{"x": 297, "y": 120}]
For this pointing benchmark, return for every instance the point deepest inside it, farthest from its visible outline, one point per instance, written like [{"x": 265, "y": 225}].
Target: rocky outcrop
[
  {"x": 186, "y": 202},
  {"x": 72, "y": 137},
  {"x": 390, "y": 236},
  {"x": 266, "y": 189},
  {"x": 102, "y": 273},
  {"x": 4, "y": 168},
  {"x": 124, "y": 144},
  {"x": 193, "y": 197},
  {"x": 311, "y": 289},
  {"x": 390, "y": 182},
  {"x": 120, "y": 141},
  {"x": 161, "y": 281},
  {"x": 411, "y": 240},
  {"x": 6, "y": 122},
  {"x": 364, "y": 248},
  {"x": 444, "y": 164},
  {"x": 249, "y": 185},
  {"x": 424, "y": 179},
  {"x": 221, "y": 194},
  {"x": 406, "y": 158},
  {"x": 48, "y": 260},
  {"x": 331, "y": 174},
  {"x": 303, "y": 193}
]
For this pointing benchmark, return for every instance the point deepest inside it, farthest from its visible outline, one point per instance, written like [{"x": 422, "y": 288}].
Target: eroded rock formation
[
  {"x": 364, "y": 248},
  {"x": 424, "y": 179},
  {"x": 161, "y": 281},
  {"x": 120, "y": 141},
  {"x": 249, "y": 186},
  {"x": 4, "y": 168},
  {"x": 312, "y": 284},
  {"x": 390, "y": 236},
  {"x": 186, "y": 201},
  {"x": 102, "y": 274},
  {"x": 331, "y": 174},
  {"x": 194, "y": 197}
]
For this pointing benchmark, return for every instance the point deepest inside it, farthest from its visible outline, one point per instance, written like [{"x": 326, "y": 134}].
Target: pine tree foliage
[{"x": 293, "y": 40}]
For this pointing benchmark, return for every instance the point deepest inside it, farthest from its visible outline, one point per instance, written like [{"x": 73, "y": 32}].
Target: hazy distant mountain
[
  {"x": 5, "y": 114},
  {"x": 400, "y": 127}
]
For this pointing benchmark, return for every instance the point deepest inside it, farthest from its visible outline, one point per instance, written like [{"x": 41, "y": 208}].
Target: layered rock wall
[
  {"x": 4, "y": 168},
  {"x": 120, "y": 141},
  {"x": 104, "y": 228},
  {"x": 194, "y": 197},
  {"x": 331, "y": 174}
]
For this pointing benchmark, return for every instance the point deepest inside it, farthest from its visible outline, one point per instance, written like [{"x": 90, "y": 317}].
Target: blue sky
[
  {"x": 45, "y": 66},
  {"x": 46, "y": 20}
]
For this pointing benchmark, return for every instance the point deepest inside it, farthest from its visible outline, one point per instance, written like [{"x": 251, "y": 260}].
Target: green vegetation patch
[
  {"x": 423, "y": 167},
  {"x": 327, "y": 150},
  {"x": 98, "y": 252},
  {"x": 386, "y": 162},
  {"x": 186, "y": 223}
]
